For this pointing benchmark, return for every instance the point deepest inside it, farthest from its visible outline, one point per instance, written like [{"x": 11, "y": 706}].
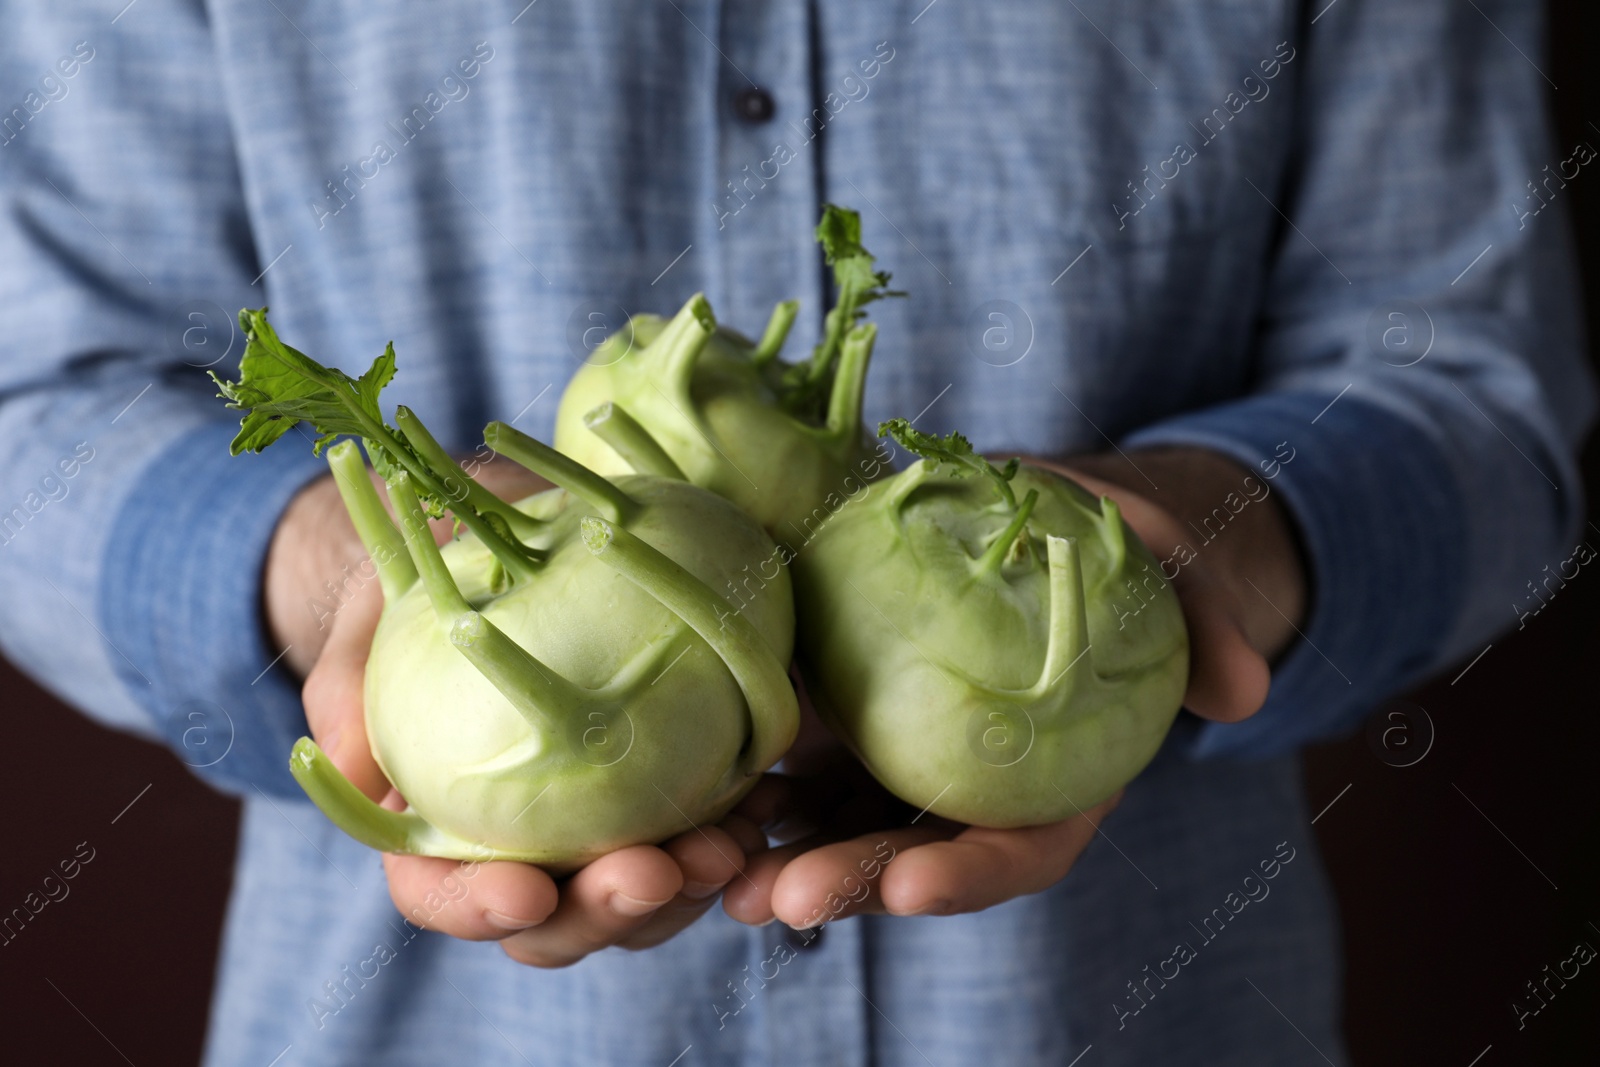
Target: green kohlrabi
[
  {"x": 781, "y": 440},
  {"x": 560, "y": 681},
  {"x": 977, "y": 637}
]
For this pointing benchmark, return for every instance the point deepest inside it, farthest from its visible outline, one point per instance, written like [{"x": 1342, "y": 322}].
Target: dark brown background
[{"x": 1444, "y": 920}]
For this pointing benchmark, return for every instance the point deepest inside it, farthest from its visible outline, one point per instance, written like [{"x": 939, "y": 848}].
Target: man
[{"x": 1291, "y": 284}]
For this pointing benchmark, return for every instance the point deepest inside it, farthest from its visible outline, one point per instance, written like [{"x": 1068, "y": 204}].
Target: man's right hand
[{"x": 635, "y": 897}]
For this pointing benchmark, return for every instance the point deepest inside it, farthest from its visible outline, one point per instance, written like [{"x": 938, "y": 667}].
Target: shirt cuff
[
  {"x": 180, "y": 607},
  {"x": 1382, "y": 523}
]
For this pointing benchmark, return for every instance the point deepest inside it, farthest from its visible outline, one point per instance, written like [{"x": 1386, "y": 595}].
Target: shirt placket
[
  {"x": 802, "y": 992},
  {"x": 761, "y": 194}
]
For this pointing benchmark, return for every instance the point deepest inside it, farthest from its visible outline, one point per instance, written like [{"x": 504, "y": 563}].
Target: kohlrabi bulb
[
  {"x": 999, "y": 649},
  {"x": 563, "y": 680},
  {"x": 606, "y": 698},
  {"x": 783, "y": 441}
]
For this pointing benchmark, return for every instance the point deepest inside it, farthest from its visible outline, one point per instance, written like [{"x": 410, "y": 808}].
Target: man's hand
[
  {"x": 859, "y": 852},
  {"x": 635, "y": 897}
]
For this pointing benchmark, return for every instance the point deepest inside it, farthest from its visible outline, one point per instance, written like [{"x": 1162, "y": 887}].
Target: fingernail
[
  {"x": 937, "y": 907},
  {"x": 631, "y": 907},
  {"x": 506, "y": 922},
  {"x": 701, "y": 890},
  {"x": 330, "y": 744}
]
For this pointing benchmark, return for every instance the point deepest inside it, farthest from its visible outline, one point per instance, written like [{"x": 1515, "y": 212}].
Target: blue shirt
[{"x": 1328, "y": 244}]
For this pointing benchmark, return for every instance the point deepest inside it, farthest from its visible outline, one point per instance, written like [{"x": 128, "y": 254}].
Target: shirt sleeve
[
  {"x": 131, "y": 543},
  {"x": 1420, "y": 355}
]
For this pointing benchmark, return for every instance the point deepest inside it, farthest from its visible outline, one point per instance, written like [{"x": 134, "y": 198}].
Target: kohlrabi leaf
[
  {"x": 840, "y": 235},
  {"x": 279, "y": 387},
  {"x": 857, "y": 283},
  {"x": 954, "y": 453}
]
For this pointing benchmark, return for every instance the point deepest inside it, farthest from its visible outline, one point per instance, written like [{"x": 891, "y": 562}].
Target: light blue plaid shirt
[{"x": 1235, "y": 224}]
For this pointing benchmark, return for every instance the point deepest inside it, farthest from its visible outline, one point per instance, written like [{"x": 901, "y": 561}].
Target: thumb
[
  {"x": 333, "y": 693},
  {"x": 1228, "y": 678}
]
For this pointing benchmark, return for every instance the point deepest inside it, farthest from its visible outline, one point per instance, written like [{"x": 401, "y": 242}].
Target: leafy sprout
[
  {"x": 280, "y": 387},
  {"x": 953, "y": 453},
  {"x": 858, "y": 285}
]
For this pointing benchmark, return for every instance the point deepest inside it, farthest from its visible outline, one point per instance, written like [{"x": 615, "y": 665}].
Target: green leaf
[
  {"x": 280, "y": 387},
  {"x": 840, "y": 235},
  {"x": 953, "y": 453},
  {"x": 858, "y": 285}
]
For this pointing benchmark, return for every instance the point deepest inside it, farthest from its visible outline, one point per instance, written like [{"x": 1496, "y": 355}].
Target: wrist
[{"x": 311, "y": 571}]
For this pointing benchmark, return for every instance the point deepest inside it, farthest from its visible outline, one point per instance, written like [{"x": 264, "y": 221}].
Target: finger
[
  {"x": 709, "y": 859},
  {"x": 603, "y": 903},
  {"x": 1228, "y": 678},
  {"x": 748, "y": 899},
  {"x": 746, "y": 834},
  {"x": 767, "y": 803},
  {"x": 473, "y": 901},
  {"x": 980, "y": 868},
  {"x": 333, "y": 693},
  {"x": 838, "y": 880}
]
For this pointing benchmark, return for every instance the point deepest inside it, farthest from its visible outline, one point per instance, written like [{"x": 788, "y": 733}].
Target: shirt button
[
  {"x": 808, "y": 939},
  {"x": 754, "y": 104}
]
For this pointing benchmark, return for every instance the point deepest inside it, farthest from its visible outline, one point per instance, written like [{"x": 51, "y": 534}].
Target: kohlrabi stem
[
  {"x": 763, "y": 680},
  {"x": 996, "y": 553},
  {"x": 1111, "y": 533},
  {"x": 560, "y": 470},
  {"x": 776, "y": 333},
  {"x": 544, "y": 698},
  {"x": 384, "y": 543},
  {"x": 635, "y": 444},
  {"x": 516, "y": 557},
  {"x": 448, "y": 603},
  {"x": 1067, "y": 663},
  {"x": 348, "y": 808},
  {"x": 539, "y": 694},
  {"x": 678, "y": 348},
  {"x": 836, "y": 326},
  {"x": 850, "y": 382},
  {"x": 458, "y": 484},
  {"x": 379, "y": 828}
]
